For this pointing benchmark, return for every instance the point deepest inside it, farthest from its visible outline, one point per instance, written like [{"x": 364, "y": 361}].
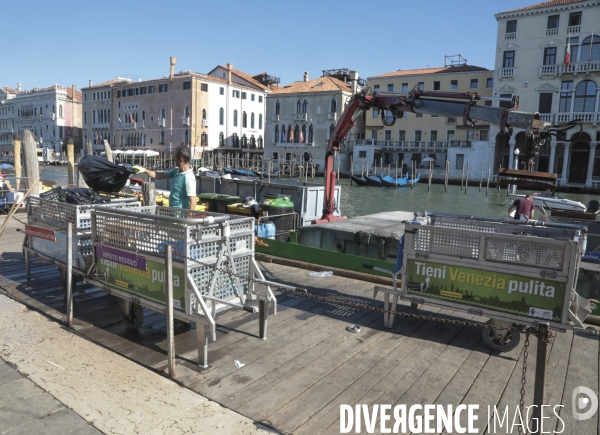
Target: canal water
[{"x": 363, "y": 200}]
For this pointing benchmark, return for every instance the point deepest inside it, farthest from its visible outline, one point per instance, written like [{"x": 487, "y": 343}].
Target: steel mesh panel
[
  {"x": 442, "y": 242},
  {"x": 225, "y": 286},
  {"x": 548, "y": 256},
  {"x": 465, "y": 225}
]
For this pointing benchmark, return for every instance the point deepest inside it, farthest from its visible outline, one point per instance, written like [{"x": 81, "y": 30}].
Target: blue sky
[{"x": 70, "y": 42}]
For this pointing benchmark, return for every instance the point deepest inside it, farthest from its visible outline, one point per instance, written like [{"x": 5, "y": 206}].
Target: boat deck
[{"x": 296, "y": 380}]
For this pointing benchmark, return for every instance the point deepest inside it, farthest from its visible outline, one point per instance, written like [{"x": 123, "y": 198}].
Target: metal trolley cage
[
  {"x": 213, "y": 265},
  {"x": 515, "y": 273}
]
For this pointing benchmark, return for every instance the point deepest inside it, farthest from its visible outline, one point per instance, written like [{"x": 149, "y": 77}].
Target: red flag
[{"x": 568, "y": 53}]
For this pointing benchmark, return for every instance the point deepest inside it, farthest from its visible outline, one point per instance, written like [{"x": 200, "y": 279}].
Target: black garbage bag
[
  {"x": 74, "y": 195},
  {"x": 102, "y": 175}
]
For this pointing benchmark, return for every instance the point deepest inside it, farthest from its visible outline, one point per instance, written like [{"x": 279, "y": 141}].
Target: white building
[
  {"x": 531, "y": 62},
  {"x": 7, "y": 120},
  {"x": 301, "y": 117}
]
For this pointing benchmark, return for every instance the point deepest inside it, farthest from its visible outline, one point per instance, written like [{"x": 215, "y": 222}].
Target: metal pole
[
  {"x": 69, "y": 277},
  {"x": 539, "y": 389},
  {"x": 170, "y": 326},
  {"x": 263, "y": 313}
]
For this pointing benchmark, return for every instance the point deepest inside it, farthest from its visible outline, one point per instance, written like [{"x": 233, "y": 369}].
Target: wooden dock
[{"x": 296, "y": 380}]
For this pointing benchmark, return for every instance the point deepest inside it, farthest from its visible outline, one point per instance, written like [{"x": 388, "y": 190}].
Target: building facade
[
  {"x": 548, "y": 54},
  {"x": 7, "y": 119},
  {"x": 52, "y": 114},
  {"x": 222, "y": 110},
  {"x": 301, "y": 117},
  {"x": 416, "y": 136}
]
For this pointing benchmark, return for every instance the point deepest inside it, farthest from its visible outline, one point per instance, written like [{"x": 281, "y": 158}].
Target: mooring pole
[
  {"x": 539, "y": 389},
  {"x": 170, "y": 326},
  {"x": 487, "y": 186},
  {"x": 69, "y": 275}
]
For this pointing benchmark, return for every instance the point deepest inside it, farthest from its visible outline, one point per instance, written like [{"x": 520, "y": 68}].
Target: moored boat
[
  {"x": 549, "y": 201},
  {"x": 359, "y": 181}
]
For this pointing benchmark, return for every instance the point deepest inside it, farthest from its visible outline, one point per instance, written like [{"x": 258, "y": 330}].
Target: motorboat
[{"x": 549, "y": 201}]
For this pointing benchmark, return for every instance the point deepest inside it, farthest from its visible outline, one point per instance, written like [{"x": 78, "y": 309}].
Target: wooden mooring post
[
  {"x": 32, "y": 164},
  {"x": 70, "y": 162},
  {"x": 17, "y": 156}
]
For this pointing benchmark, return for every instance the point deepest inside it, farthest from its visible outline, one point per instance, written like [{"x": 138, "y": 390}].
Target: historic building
[
  {"x": 548, "y": 54},
  {"x": 52, "y": 114},
  {"x": 222, "y": 110},
  {"x": 417, "y": 136},
  {"x": 302, "y": 115}
]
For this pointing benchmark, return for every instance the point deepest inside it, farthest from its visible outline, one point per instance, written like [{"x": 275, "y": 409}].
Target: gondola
[
  {"x": 373, "y": 180},
  {"x": 359, "y": 181},
  {"x": 388, "y": 181}
]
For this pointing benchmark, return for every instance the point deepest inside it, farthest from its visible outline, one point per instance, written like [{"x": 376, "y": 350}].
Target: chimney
[
  {"x": 305, "y": 76},
  {"x": 229, "y": 68},
  {"x": 173, "y": 60},
  {"x": 90, "y": 85},
  {"x": 354, "y": 81},
  {"x": 19, "y": 86}
]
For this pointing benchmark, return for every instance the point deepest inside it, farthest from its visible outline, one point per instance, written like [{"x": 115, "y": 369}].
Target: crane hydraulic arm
[{"x": 450, "y": 104}]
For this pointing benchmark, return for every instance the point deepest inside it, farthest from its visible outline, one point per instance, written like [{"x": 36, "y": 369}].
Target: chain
[{"x": 523, "y": 376}]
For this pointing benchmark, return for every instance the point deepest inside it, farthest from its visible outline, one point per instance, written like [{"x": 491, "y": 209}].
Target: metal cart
[{"x": 517, "y": 274}]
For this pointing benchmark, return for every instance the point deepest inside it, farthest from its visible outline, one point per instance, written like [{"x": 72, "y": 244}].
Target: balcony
[
  {"x": 185, "y": 120},
  {"x": 300, "y": 117},
  {"x": 573, "y": 30},
  {"x": 509, "y": 36},
  {"x": 552, "y": 32},
  {"x": 548, "y": 70},
  {"x": 504, "y": 73},
  {"x": 573, "y": 68},
  {"x": 161, "y": 122},
  {"x": 275, "y": 118},
  {"x": 547, "y": 117},
  {"x": 593, "y": 117}
]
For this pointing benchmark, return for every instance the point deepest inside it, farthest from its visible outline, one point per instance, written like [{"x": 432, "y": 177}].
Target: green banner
[
  {"x": 148, "y": 284},
  {"x": 534, "y": 297}
]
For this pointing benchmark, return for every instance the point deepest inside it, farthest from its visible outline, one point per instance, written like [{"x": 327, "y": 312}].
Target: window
[
  {"x": 418, "y": 135},
  {"x": 296, "y": 134},
  {"x": 260, "y": 121},
  {"x": 277, "y": 107},
  {"x": 575, "y": 19},
  {"x": 244, "y": 120},
  {"x": 252, "y": 97},
  {"x": 402, "y": 135},
  {"x": 387, "y": 135},
  {"x": 404, "y": 87},
  {"x": 450, "y": 120},
  {"x": 474, "y": 84},
  {"x": 471, "y": 135},
  {"x": 585, "y": 97},
  {"x": 244, "y": 141},
  {"x": 418, "y": 115},
  {"x": 162, "y": 137},
  {"x": 260, "y": 98},
  {"x": 550, "y": 56},
  {"x": 450, "y": 135},
  {"x": 590, "y": 51},
  {"x": 390, "y": 87},
  {"x": 362, "y": 154},
  {"x": 162, "y": 88},
  {"x": 252, "y": 120},
  {"x": 187, "y": 85},
  {"x": 304, "y": 106},
  {"x": 235, "y": 113},
  {"x": 484, "y": 135},
  {"x": 333, "y": 107},
  {"x": 511, "y": 26},
  {"x": 375, "y": 113},
  {"x": 60, "y": 111},
  {"x": 421, "y": 85},
  {"x": 545, "y": 103},
  {"x": 508, "y": 60},
  {"x": 389, "y": 117},
  {"x": 553, "y": 21},
  {"x": 236, "y": 94},
  {"x": 204, "y": 87},
  {"x": 436, "y": 86},
  {"x": 489, "y": 82},
  {"x": 143, "y": 90},
  {"x": 433, "y": 136},
  {"x": 187, "y": 112},
  {"x": 236, "y": 140},
  {"x": 276, "y": 139},
  {"x": 151, "y": 89},
  {"x": 310, "y": 134},
  {"x": 376, "y": 88},
  {"x": 331, "y": 128},
  {"x": 507, "y": 103},
  {"x": 221, "y": 90},
  {"x": 203, "y": 114},
  {"x": 453, "y": 85},
  {"x": 243, "y": 95},
  {"x": 221, "y": 116},
  {"x": 298, "y": 107},
  {"x": 460, "y": 161},
  {"x": 186, "y": 137},
  {"x": 566, "y": 95}
]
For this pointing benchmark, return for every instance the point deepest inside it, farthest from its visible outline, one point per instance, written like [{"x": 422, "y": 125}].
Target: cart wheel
[
  {"x": 135, "y": 319},
  {"x": 414, "y": 305},
  {"x": 506, "y": 344},
  {"x": 591, "y": 331}
]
